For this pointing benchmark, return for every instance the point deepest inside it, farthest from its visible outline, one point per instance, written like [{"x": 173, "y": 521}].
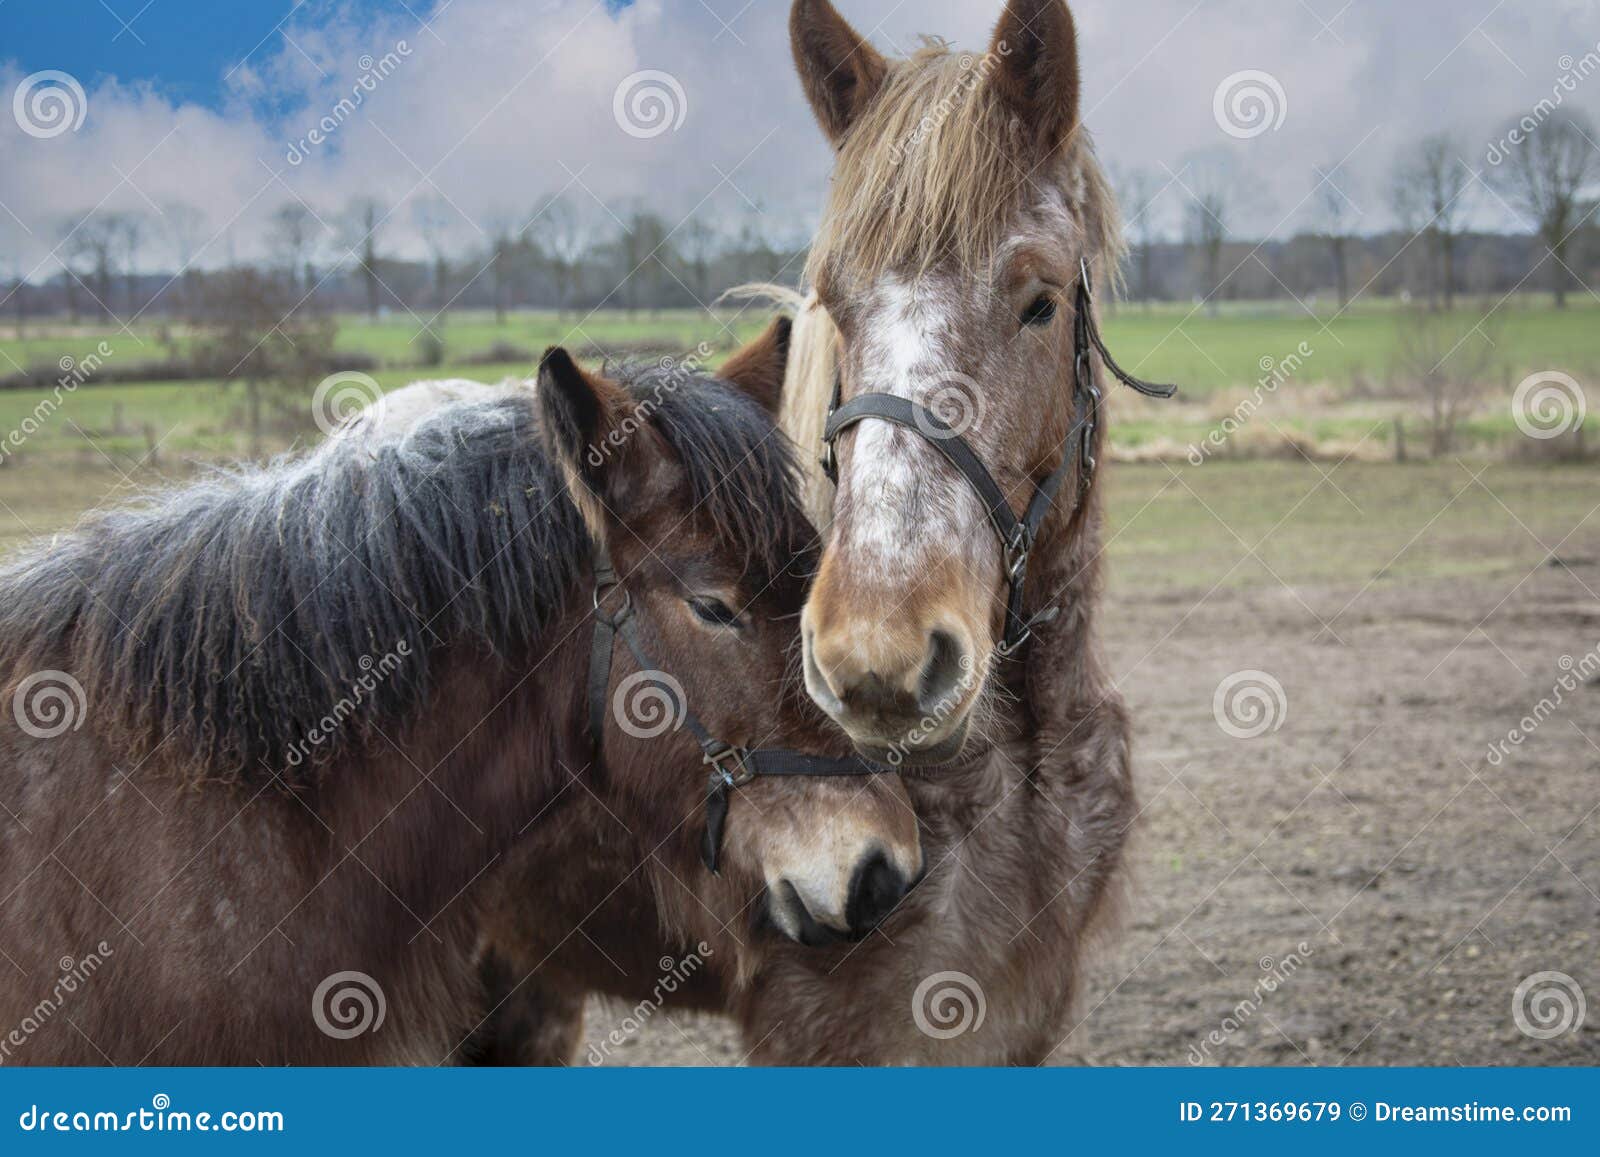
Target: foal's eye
[
  {"x": 1041, "y": 311},
  {"x": 714, "y": 612}
]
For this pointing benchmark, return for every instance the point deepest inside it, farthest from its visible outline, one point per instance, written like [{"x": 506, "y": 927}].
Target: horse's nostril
[
  {"x": 817, "y": 681},
  {"x": 940, "y": 688},
  {"x": 877, "y": 887}
]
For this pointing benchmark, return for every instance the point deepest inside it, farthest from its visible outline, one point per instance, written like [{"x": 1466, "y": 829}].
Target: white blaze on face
[{"x": 900, "y": 500}]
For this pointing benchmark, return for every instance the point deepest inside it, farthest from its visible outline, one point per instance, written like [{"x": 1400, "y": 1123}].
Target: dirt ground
[
  {"x": 1359, "y": 884},
  {"x": 1413, "y": 616}
]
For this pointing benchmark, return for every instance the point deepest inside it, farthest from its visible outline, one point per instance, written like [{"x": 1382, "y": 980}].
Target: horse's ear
[
  {"x": 839, "y": 70},
  {"x": 1037, "y": 46},
  {"x": 758, "y": 368},
  {"x": 578, "y": 413}
]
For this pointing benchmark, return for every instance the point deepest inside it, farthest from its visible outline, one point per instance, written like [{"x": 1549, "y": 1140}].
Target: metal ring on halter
[{"x": 622, "y": 612}]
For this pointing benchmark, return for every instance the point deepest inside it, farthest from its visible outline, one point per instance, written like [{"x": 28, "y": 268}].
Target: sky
[{"x": 486, "y": 109}]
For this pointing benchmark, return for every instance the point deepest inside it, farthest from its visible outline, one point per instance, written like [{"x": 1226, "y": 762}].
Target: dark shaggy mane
[
  {"x": 229, "y": 621},
  {"x": 743, "y": 475}
]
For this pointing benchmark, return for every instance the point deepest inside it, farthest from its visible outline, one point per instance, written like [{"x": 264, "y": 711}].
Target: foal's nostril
[
  {"x": 877, "y": 887},
  {"x": 940, "y": 687}
]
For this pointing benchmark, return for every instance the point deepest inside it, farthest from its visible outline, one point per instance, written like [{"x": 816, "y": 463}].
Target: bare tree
[
  {"x": 260, "y": 341},
  {"x": 1141, "y": 194},
  {"x": 435, "y": 221},
  {"x": 1447, "y": 367},
  {"x": 88, "y": 250},
  {"x": 643, "y": 252},
  {"x": 758, "y": 257},
  {"x": 130, "y": 239},
  {"x": 13, "y": 295},
  {"x": 501, "y": 263},
  {"x": 566, "y": 231},
  {"x": 1212, "y": 183},
  {"x": 700, "y": 243},
  {"x": 1548, "y": 177},
  {"x": 182, "y": 224},
  {"x": 363, "y": 225},
  {"x": 294, "y": 233},
  {"x": 1335, "y": 215},
  {"x": 1430, "y": 198}
]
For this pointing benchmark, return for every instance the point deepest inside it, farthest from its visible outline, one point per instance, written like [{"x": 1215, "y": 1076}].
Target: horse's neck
[{"x": 1057, "y": 681}]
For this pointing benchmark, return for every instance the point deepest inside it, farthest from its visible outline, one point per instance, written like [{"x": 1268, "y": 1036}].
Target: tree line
[
  {"x": 1542, "y": 172},
  {"x": 572, "y": 254}
]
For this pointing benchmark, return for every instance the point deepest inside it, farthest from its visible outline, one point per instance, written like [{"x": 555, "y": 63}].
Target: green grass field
[
  {"x": 1342, "y": 396},
  {"x": 1169, "y": 342}
]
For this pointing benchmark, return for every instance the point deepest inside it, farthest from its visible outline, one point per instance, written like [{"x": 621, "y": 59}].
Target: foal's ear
[
  {"x": 839, "y": 70},
  {"x": 579, "y": 414},
  {"x": 758, "y": 368},
  {"x": 1037, "y": 46}
]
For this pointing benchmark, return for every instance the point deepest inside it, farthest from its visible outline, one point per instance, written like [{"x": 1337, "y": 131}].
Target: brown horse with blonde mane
[
  {"x": 967, "y": 224},
  {"x": 272, "y": 731}
]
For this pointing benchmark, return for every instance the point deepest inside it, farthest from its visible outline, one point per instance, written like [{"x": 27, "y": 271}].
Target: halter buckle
[
  {"x": 829, "y": 463},
  {"x": 721, "y": 757},
  {"x": 1091, "y": 420},
  {"x": 1017, "y": 551}
]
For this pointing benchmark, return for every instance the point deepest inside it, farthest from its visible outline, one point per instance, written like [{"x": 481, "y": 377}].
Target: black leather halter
[
  {"x": 1017, "y": 535},
  {"x": 730, "y": 766}
]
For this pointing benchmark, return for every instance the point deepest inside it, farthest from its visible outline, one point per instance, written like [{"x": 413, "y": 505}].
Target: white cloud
[{"x": 503, "y": 102}]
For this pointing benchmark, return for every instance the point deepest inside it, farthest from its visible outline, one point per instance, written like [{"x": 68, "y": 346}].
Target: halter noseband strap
[
  {"x": 1017, "y": 535},
  {"x": 730, "y": 766}
]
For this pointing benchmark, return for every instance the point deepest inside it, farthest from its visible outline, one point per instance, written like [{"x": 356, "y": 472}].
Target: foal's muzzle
[{"x": 816, "y": 918}]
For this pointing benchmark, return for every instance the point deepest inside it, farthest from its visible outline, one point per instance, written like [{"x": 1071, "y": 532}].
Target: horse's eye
[
  {"x": 714, "y": 612},
  {"x": 1041, "y": 311}
]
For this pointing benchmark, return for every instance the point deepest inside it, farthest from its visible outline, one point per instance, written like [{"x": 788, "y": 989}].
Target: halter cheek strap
[
  {"x": 729, "y": 766},
  {"x": 1017, "y": 535}
]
